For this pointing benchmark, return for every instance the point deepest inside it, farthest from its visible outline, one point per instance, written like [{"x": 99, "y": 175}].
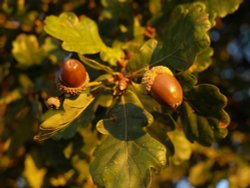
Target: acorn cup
[
  {"x": 161, "y": 84},
  {"x": 72, "y": 78}
]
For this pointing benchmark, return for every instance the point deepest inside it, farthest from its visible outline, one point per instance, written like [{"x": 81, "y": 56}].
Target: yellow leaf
[{"x": 33, "y": 174}]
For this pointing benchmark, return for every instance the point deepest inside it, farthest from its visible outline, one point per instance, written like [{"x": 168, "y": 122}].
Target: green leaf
[
  {"x": 182, "y": 147},
  {"x": 196, "y": 127},
  {"x": 126, "y": 157},
  {"x": 207, "y": 100},
  {"x": 32, "y": 173},
  {"x": 53, "y": 49},
  {"x": 77, "y": 35},
  {"x": 56, "y": 120},
  {"x": 203, "y": 117},
  {"x": 184, "y": 37},
  {"x": 142, "y": 58},
  {"x": 220, "y": 8},
  {"x": 127, "y": 164},
  {"x": 187, "y": 80},
  {"x": 201, "y": 173},
  {"x": 112, "y": 55},
  {"x": 203, "y": 61},
  {"x": 155, "y": 6},
  {"x": 148, "y": 102},
  {"x": 158, "y": 130},
  {"x": 26, "y": 51},
  {"x": 123, "y": 116},
  {"x": 80, "y": 36},
  {"x": 94, "y": 64}
]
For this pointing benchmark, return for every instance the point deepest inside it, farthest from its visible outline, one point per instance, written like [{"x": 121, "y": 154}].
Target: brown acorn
[
  {"x": 160, "y": 83},
  {"x": 72, "y": 78}
]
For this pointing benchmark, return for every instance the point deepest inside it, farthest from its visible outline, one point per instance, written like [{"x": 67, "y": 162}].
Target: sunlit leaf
[
  {"x": 94, "y": 64},
  {"x": 61, "y": 180},
  {"x": 80, "y": 35},
  {"x": 155, "y": 6},
  {"x": 220, "y": 8},
  {"x": 112, "y": 55},
  {"x": 32, "y": 173},
  {"x": 27, "y": 51},
  {"x": 182, "y": 146},
  {"x": 200, "y": 173},
  {"x": 56, "y": 120}
]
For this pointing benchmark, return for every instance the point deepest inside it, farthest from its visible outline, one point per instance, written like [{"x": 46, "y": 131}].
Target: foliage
[{"x": 113, "y": 134}]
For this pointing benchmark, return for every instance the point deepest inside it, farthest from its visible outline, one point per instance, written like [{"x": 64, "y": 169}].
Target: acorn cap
[{"x": 149, "y": 76}]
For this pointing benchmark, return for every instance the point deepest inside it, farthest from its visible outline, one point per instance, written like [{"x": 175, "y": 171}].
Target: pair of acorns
[{"x": 159, "y": 82}]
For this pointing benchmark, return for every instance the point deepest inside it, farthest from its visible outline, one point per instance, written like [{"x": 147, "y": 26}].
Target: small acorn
[
  {"x": 162, "y": 85},
  {"x": 54, "y": 102},
  {"x": 72, "y": 78}
]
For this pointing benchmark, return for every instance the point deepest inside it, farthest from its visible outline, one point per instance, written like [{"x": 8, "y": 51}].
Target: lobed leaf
[
  {"x": 203, "y": 61},
  {"x": 26, "y": 51},
  {"x": 187, "y": 80},
  {"x": 142, "y": 58},
  {"x": 56, "y": 120},
  {"x": 80, "y": 36},
  {"x": 204, "y": 118},
  {"x": 126, "y": 157},
  {"x": 221, "y": 8},
  {"x": 184, "y": 37},
  {"x": 77, "y": 35}
]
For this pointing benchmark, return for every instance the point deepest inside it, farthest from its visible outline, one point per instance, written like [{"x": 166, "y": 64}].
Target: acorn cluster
[{"x": 72, "y": 78}]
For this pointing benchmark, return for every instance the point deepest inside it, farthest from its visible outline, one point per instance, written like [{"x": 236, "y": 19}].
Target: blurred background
[{"x": 28, "y": 60}]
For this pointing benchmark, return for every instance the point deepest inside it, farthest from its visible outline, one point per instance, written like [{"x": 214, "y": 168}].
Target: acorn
[
  {"x": 72, "y": 78},
  {"x": 54, "y": 102},
  {"x": 160, "y": 83}
]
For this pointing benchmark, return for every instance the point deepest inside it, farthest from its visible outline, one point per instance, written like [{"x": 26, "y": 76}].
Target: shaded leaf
[
  {"x": 53, "y": 49},
  {"x": 207, "y": 100},
  {"x": 187, "y": 80},
  {"x": 126, "y": 157},
  {"x": 142, "y": 58},
  {"x": 123, "y": 116},
  {"x": 200, "y": 128},
  {"x": 185, "y": 36},
  {"x": 148, "y": 102},
  {"x": 203, "y": 61},
  {"x": 158, "y": 130},
  {"x": 127, "y": 164}
]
